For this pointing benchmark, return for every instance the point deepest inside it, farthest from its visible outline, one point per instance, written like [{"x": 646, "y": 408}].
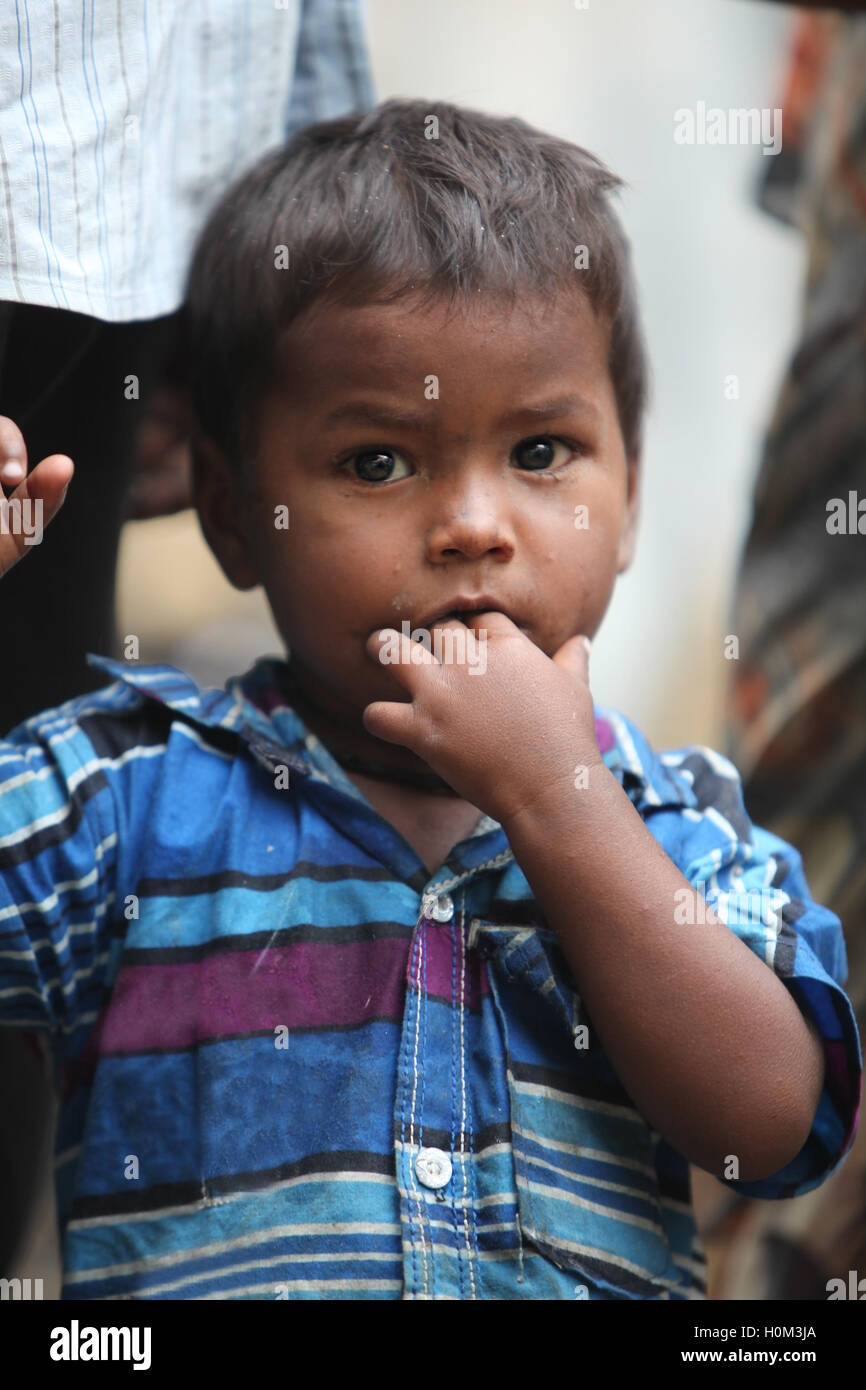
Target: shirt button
[
  {"x": 439, "y": 909},
  {"x": 433, "y": 1167}
]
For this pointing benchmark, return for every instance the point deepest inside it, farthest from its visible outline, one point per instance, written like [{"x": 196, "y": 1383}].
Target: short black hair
[{"x": 412, "y": 196}]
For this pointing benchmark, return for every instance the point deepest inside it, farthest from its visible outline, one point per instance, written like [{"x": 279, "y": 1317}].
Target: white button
[
  {"x": 439, "y": 909},
  {"x": 433, "y": 1167}
]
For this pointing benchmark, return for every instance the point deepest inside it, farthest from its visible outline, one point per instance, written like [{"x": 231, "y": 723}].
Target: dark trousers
[{"x": 65, "y": 381}]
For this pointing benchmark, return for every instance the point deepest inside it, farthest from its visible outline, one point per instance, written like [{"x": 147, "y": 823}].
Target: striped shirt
[
  {"x": 123, "y": 121},
  {"x": 295, "y": 1064}
]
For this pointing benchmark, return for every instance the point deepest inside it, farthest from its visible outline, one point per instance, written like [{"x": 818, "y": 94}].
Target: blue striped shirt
[
  {"x": 296, "y": 1064},
  {"x": 123, "y": 121}
]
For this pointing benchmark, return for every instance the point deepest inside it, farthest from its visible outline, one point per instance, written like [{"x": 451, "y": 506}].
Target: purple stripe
[
  {"x": 310, "y": 985},
  {"x": 604, "y": 735}
]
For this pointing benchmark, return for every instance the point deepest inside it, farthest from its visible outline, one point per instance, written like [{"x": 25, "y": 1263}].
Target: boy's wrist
[{"x": 554, "y": 804}]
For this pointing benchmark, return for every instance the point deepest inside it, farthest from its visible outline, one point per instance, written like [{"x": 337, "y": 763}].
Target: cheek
[
  {"x": 327, "y": 570},
  {"x": 581, "y": 550},
  {"x": 577, "y": 569}
]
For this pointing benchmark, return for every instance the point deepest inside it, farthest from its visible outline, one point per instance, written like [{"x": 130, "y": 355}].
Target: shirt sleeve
[
  {"x": 755, "y": 883},
  {"x": 58, "y": 848},
  {"x": 332, "y": 74}
]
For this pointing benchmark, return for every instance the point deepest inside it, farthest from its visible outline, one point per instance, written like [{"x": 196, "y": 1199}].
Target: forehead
[{"x": 482, "y": 344}]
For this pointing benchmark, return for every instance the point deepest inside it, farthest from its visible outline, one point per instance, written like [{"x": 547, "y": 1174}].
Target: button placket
[
  {"x": 419, "y": 1253},
  {"x": 433, "y": 1175}
]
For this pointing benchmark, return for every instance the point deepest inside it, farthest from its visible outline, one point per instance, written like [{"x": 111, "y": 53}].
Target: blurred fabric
[{"x": 797, "y": 709}]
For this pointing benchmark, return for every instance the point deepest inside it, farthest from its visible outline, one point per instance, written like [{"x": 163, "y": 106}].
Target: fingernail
[
  {"x": 12, "y": 471},
  {"x": 587, "y": 645}
]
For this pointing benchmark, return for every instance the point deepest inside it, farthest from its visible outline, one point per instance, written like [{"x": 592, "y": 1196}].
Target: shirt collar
[{"x": 252, "y": 707}]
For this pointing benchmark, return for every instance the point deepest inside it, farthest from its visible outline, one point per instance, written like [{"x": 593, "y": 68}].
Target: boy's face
[{"x": 427, "y": 456}]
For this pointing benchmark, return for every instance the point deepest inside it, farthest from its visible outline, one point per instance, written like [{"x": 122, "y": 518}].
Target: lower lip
[
  {"x": 463, "y": 617},
  {"x": 467, "y": 616}
]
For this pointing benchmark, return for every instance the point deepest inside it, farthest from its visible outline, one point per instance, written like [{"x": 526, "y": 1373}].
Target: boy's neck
[{"x": 350, "y": 744}]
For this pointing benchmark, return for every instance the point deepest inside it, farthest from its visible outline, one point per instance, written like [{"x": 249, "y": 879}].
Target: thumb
[
  {"x": 573, "y": 656},
  {"x": 391, "y": 721}
]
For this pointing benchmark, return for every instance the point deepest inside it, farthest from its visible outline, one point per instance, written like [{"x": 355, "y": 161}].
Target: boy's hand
[
  {"x": 40, "y": 496},
  {"x": 505, "y": 728}
]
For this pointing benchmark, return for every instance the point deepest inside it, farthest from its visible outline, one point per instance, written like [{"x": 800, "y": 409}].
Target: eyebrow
[
  {"x": 364, "y": 412},
  {"x": 547, "y": 410}
]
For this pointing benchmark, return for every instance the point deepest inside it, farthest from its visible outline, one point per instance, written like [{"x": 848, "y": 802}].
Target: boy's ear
[
  {"x": 628, "y": 537},
  {"x": 221, "y": 513}
]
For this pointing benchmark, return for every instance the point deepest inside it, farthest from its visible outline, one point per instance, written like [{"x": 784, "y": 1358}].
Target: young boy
[{"x": 392, "y": 970}]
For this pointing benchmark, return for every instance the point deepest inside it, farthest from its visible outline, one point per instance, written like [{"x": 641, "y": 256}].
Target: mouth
[{"x": 463, "y": 608}]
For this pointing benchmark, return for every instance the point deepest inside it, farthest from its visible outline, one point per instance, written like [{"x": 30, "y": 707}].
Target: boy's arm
[
  {"x": 59, "y": 917},
  {"x": 707, "y": 1040},
  {"x": 705, "y": 1026}
]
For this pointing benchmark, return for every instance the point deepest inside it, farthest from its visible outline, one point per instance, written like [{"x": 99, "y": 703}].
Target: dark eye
[
  {"x": 541, "y": 452},
  {"x": 375, "y": 465}
]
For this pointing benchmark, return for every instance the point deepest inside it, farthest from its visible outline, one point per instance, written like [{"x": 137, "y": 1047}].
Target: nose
[{"x": 473, "y": 519}]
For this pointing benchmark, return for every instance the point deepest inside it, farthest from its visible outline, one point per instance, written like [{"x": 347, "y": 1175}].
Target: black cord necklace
[
  {"x": 424, "y": 781},
  {"x": 323, "y": 727}
]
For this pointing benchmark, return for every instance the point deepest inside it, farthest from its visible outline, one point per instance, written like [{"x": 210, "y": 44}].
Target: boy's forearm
[{"x": 706, "y": 1039}]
